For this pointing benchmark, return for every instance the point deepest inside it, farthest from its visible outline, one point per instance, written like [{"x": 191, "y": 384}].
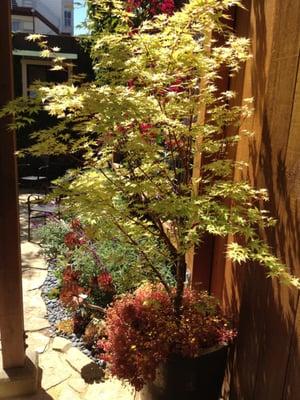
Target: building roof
[{"x": 67, "y": 44}]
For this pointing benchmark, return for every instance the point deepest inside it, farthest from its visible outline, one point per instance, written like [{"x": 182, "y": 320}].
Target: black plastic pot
[{"x": 189, "y": 378}]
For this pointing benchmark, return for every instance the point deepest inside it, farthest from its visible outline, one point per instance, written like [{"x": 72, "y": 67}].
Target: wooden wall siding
[
  {"x": 292, "y": 245},
  {"x": 266, "y": 362}
]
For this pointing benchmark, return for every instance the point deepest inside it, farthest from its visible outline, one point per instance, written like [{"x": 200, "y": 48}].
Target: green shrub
[
  {"x": 126, "y": 266},
  {"x": 51, "y": 236},
  {"x": 122, "y": 261},
  {"x": 70, "y": 245}
]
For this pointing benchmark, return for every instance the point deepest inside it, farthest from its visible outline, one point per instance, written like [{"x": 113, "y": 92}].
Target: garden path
[{"x": 62, "y": 365}]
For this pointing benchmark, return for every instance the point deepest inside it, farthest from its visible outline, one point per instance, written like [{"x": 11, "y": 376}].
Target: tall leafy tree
[{"x": 147, "y": 106}]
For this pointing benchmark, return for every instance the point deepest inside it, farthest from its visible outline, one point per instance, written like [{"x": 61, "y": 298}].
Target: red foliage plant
[
  {"x": 105, "y": 282},
  {"x": 143, "y": 331},
  {"x": 71, "y": 290},
  {"x": 76, "y": 236},
  {"x": 72, "y": 284},
  {"x": 153, "y": 7}
]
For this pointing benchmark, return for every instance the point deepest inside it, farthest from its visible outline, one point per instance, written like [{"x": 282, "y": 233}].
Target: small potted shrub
[{"x": 165, "y": 356}]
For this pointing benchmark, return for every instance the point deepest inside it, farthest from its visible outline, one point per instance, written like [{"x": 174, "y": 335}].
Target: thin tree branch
[{"x": 136, "y": 244}]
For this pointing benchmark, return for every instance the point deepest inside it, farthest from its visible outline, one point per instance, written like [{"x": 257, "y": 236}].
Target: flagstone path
[{"x": 66, "y": 372}]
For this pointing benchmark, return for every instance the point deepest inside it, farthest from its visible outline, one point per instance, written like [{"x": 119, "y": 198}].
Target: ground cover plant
[
  {"x": 88, "y": 275},
  {"x": 157, "y": 138},
  {"x": 110, "y": 265}
]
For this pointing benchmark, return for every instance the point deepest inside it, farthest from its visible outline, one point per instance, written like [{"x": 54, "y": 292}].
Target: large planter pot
[{"x": 189, "y": 378}]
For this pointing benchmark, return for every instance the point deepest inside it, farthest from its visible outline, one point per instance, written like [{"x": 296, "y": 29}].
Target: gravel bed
[{"x": 56, "y": 312}]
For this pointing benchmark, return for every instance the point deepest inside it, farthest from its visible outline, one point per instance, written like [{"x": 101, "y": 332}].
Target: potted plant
[
  {"x": 164, "y": 356},
  {"x": 157, "y": 161}
]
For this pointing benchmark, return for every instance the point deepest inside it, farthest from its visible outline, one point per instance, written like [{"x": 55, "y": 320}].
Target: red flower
[
  {"x": 69, "y": 274},
  {"x": 73, "y": 239},
  {"x": 167, "y": 7},
  {"x": 152, "y": 7},
  {"x": 69, "y": 294}
]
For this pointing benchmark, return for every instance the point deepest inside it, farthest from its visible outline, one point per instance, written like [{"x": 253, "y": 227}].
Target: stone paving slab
[
  {"x": 55, "y": 369},
  {"x": 32, "y": 256},
  {"x": 35, "y": 324},
  {"x": 78, "y": 384},
  {"x": 67, "y": 394},
  {"x": 111, "y": 389},
  {"x": 38, "y": 342},
  {"x": 61, "y": 344}
]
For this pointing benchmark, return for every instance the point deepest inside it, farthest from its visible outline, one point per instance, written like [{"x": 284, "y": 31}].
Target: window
[
  {"x": 34, "y": 70},
  {"x": 22, "y": 24},
  {"x": 16, "y": 26},
  {"x": 67, "y": 19},
  {"x": 28, "y": 26}
]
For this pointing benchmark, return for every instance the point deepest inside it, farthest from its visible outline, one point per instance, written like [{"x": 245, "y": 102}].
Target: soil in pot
[{"x": 189, "y": 379}]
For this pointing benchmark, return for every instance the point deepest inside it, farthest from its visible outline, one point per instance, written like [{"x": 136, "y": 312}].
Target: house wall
[
  {"x": 67, "y": 6},
  {"x": 22, "y": 23},
  {"x": 53, "y": 10},
  {"x": 41, "y": 27},
  {"x": 266, "y": 359}
]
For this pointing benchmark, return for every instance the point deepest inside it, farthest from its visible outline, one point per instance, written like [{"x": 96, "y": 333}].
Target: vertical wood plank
[
  {"x": 291, "y": 388},
  {"x": 267, "y": 310},
  {"x": 11, "y": 306},
  {"x": 281, "y": 302},
  {"x": 290, "y": 215}
]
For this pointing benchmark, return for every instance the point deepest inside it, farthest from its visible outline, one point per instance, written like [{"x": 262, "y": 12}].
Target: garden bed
[
  {"x": 57, "y": 313},
  {"x": 84, "y": 277}
]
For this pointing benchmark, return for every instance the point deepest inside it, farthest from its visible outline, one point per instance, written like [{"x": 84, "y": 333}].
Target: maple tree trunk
[{"x": 180, "y": 279}]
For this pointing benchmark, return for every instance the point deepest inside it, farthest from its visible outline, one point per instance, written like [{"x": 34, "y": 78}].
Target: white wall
[
  {"x": 22, "y": 23},
  {"x": 67, "y": 5},
  {"x": 53, "y": 10},
  {"x": 42, "y": 28},
  {"x": 55, "y": 6}
]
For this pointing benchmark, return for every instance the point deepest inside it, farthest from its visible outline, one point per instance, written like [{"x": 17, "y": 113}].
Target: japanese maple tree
[{"x": 155, "y": 108}]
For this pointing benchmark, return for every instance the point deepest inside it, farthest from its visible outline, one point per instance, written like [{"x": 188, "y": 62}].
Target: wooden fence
[{"x": 266, "y": 362}]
